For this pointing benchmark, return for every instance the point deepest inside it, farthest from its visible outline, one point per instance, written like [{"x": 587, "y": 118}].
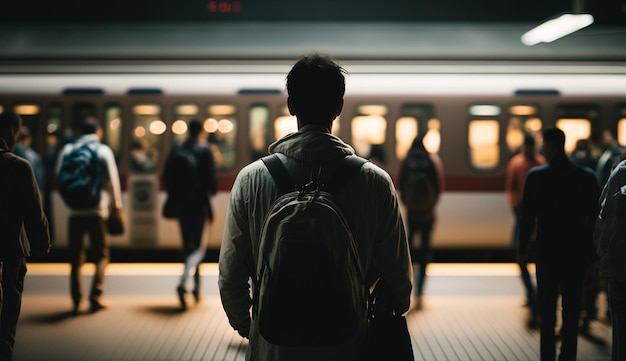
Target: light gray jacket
[{"x": 371, "y": 207}]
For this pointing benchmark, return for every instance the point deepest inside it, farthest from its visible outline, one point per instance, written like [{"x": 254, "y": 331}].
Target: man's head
[
  {"x": 91, "y": 126},
  {"x": 316, "y": 85},
  {"x": 529, "y": 145},
  {"x": 195, "y": 128},
  {"x": 10, "y": 124},
  {"x": 553, "y": 142}
]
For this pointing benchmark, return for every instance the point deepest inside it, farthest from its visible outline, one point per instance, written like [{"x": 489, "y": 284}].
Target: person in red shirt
[{"x": 517, "y": 169}]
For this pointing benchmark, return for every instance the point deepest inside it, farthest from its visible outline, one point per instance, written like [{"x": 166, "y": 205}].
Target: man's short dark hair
[
  {"x": 9, "y": 121},
  {"x": 90, "y": 125},
  {"x": 194, "y": 127},
  {"x": 529, "y": 139},
  {"x": 316, "y": 85},
  {"x": 555, "y": 137}
]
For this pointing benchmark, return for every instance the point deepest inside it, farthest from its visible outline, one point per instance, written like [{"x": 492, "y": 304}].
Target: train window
[
  {"x": 54, "y": 120},
  {"x": 621, "y": 124},
  {"x": 368, "y": 132},
  {"x": 147, "y": 131},
  {"x": 113, "y": 127},
  {"x": 523, "y": 120},
  {"x": 183, "y": 113},
  {"x": 415, "y": 118},
  {"x": 483, "y": 143},
  {"x": 259, "y": 117},
  {"x": 484, "y": 110},
  {"x": 221, "y": 124},
  {"x": 574, "y": 129},
  {"x": 1, "y": 109},
  {"x": 30, "y": 114}
]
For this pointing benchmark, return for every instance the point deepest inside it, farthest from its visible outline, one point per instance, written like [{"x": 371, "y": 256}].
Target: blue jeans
[
  {"x": 617, "y": 304},
  {"x": 424, "y": 256}
]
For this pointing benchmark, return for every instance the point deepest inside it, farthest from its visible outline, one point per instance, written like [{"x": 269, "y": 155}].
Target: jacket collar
[{"x": 312, "y": 143}]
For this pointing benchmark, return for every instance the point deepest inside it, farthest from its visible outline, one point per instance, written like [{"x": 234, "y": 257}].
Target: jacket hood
[{"x": 311, "y": 143}]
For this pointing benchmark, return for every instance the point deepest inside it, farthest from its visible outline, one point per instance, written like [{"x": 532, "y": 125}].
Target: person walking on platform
[
  {"x": 20, "y": 210},
  {"x": 516, "y": 172},
  {"x": 315, "y": 87},
  {"x": 190, "y": 181},
  {"x": 89, "y": 183},
  {"x": 610, "y": 240},
  {"x": 420, "y": 181},
  {"x": 562, "y": 201}
]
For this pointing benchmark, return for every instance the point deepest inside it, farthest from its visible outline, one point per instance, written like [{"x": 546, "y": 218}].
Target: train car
[{"x": 473, "y": 118}]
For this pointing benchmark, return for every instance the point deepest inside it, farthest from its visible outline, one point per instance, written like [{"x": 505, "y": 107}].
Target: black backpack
[
  {"x": 80, "y": 177},
  {"x": 180, "y": 177},
  {"x": 418, "y": 187},
  {"x": 309, "y": 287}
]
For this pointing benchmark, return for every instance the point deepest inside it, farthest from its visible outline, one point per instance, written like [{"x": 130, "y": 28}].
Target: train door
[
  {"x": 146, "y": 150},
  {"x": 369, "y": 132}
]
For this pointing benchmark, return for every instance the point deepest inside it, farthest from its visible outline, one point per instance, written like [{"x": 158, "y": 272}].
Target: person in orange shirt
[{"x": 518, "y": 167}]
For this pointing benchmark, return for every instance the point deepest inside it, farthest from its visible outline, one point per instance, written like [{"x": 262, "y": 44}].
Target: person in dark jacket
[
  {"x": 561, "y": 200},
  {"x": 20, "y": 210},
  {"x": 191, "y": 200}
]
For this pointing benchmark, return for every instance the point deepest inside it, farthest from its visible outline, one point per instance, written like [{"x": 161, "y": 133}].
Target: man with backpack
[
  {"x": 314, "y": 249},
  {"x": 421, "y": 180},
  {"x": 88, "y": 181},
  {"x": 190, "y": 181}
]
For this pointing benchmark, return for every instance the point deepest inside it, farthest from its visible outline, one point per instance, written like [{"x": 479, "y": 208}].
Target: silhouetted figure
[
  {"x": 581, "y": 155},
  {"x": 316, "y": 88},
  {"x": 516, "y": 172},
  {"x": 23, "y": 229},
  {"x": 91, "y": 219},
  {"x": 24, "y": 150},
  {"x": 50, "y": 161},
  {"x": 190, "y": 181},
  {"x": 561, "y": 199},
  {"x": 610, "y": 241},
  {"x": 609, "y": 158},
  {"x": 420, "y": 181}
]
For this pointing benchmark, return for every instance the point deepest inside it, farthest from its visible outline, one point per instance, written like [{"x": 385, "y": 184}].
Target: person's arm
[
  {"x": 235, "y": 261},
  {"x": 35, "y": 221},
  {"x": 528, "y": 214},
  {"x": 114, "y": 177}
]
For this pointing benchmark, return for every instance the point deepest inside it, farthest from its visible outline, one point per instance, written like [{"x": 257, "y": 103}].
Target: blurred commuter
[
  {"x": 609, "y": 158},
  {"x": 610, "y": 241},
  {"x": 140, "y": 160},
  {"x": 420, "y": 181},
  {"x": 316, "y": 87},
  {"x": 24, "y": 150},
  {"x": 23, "y": 229},
  {"x": 50, "y": 161},
  {"x": 581, "y": 155},
  {"x": 190, "y": 181},
  {"x": 516, "y": 172},
  {"x": 90, "y": 218},
  {"x": 561, "y": 200}
]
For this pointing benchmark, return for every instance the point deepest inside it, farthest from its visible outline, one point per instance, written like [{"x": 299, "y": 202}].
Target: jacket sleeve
[
  {"x": 391, "y": 250},
  {"x": 35, "y": 221},
  {"x": 529, "y": 213},
  {"x": 114, "y": 177},
  {"x": 235, "y": 259}
]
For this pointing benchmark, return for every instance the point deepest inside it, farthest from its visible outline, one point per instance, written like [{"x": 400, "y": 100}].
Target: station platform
[{"x": 470, "y": 312}]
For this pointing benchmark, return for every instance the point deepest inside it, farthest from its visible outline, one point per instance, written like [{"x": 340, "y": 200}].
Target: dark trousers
[
  {"x": 617, "y": 304},
  {"x": 94, "y": 227},
  {"x": 553, "y": 277},
  {"x": 531, "y": 294},
  {"x": 425, "y": 254},
  {"x": 191, "y": 228},
  {"x": 12, "y": 273}
]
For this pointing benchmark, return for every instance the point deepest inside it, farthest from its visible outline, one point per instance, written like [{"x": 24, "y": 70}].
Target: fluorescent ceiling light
[{"x": 556, "y": 28}]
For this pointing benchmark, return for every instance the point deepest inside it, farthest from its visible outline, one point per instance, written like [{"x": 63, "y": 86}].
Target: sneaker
[
  {"x": 97, "y": 305},
  {"x": 181, "y": 297},
  {"x": 196, "y": 295}
]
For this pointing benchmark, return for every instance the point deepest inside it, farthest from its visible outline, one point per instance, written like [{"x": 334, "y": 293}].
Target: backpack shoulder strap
[
  {"x": 279, "y": 173},
  {"x": 349, "y": 166}
]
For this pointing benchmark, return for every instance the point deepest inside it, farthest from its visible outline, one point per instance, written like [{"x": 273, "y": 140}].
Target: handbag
[
  {"x": 115, "y": 222},
  {"x": 387, "y": 334}
]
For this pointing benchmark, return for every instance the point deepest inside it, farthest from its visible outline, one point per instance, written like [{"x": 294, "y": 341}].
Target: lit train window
[
  {"x": 259, "y": 117},
  {"x": 183, "y": 113},
  {"x": 1, "y": 109},
  {"x": 368, "y": 132},
  {"x": 621, "y": 125},
  {"x": 147, "y": 128},
  {"x": 221, "y": 124},
  {"x": 415, "y": 118},
  {"x": 54, "y": 119},
  {"x": 113, "y": 128},
  {"x": 523, "y": 119},
  {"x": 577, "y": 122},
  {"x": 484, "y": 110},
  {"x": 31, "y": 118},
  {"x": 483, "y": 143},
  {"x": 574, "y": 129}
]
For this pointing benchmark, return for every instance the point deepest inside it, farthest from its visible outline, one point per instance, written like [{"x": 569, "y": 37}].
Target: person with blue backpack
[
  {"x": 313, "y": 227},
  {"x": 89, "y": 183}
]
